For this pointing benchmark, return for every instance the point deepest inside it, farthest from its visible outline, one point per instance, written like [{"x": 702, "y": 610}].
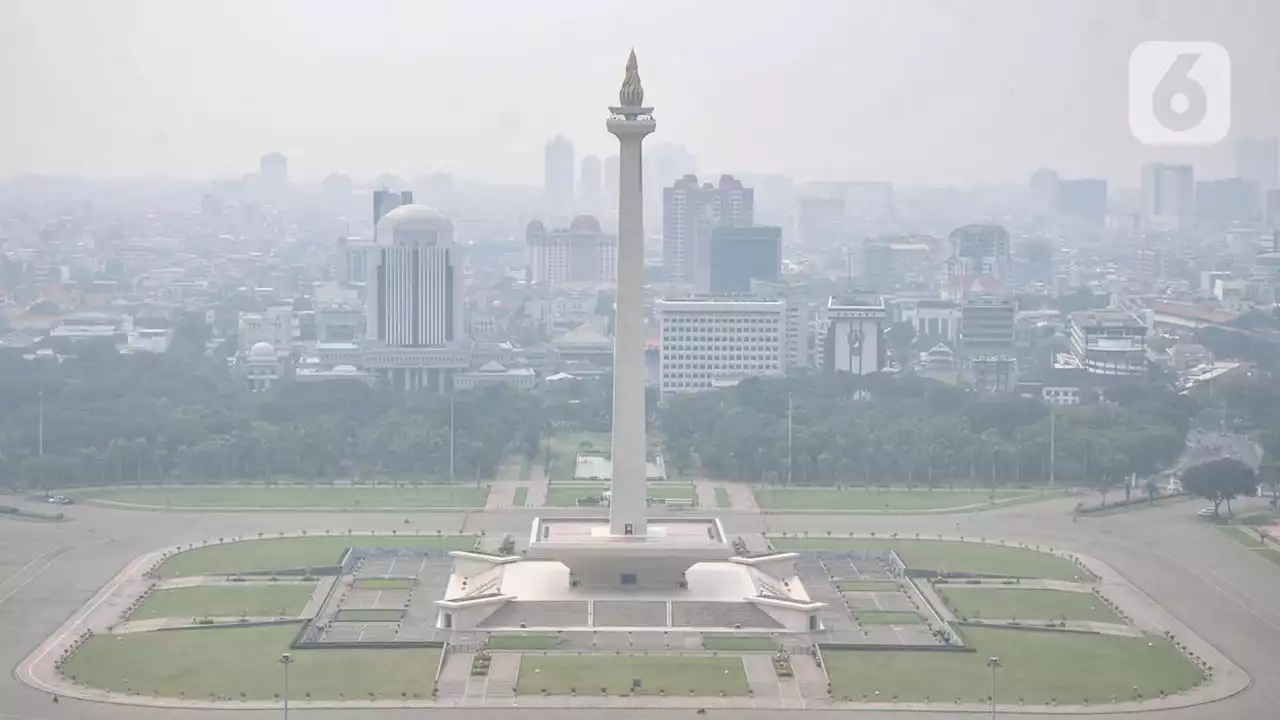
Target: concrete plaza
[{"x": 49, "y": 571}]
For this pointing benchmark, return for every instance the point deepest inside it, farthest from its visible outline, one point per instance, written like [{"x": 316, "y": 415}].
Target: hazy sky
[{"x": 911, "y": 91}]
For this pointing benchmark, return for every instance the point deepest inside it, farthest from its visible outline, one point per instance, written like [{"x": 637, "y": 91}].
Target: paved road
[{"x": 1209, "y": 582}]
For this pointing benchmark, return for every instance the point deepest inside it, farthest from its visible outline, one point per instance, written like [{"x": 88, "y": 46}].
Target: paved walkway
[
  {"x": 740, "y": 496},
  {"x": 706, "y": 493}
]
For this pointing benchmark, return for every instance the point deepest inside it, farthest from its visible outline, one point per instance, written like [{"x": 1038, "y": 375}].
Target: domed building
[
  {"x": 414, "y": 330},
  {"x": 581, "y": 253},
  {"x": 262, "y": 366}
]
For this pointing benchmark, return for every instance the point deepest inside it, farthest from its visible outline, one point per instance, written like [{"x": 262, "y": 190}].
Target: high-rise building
[
  {"x": 1084, "y": 199},
  {"x": 273, "y": 169},
  {"x": 1258, "y": 160},
  {"x": 591, "y": 183},
  {"x": 414, "y": 296},
  {"x": 1271, "y": 209},
  {"x": 1227, "y": 201},
  {"x": 384, "y": 201},
  {"x": 582, "y": 253},
  {"x": 708, "y": 342},
  {"x": 820, "y": 221},
  {"x": 738, "y": 255},
  {"x": 980, "y": 261},
  {"x": 1109, "y": 342},
  {"x": 690, "y": 211},
  {"x": 558, "y": 172},
  {"x": 1168, "y": 195}
]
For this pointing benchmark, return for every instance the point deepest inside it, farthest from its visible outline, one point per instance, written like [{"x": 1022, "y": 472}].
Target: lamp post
[
  {"x": 993, "y": 662},
  {"x": 286, "y": 659}
]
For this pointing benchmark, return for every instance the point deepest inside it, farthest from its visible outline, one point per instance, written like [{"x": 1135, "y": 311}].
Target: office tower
[
  {"x": 1044, "y": 188},
  {"x": 1227, "y": 201},
  {"x": 558, "y": 170},
  {"x": 630, "y": 122},
  {"x": 1258, "y": 160},
  {"x": 690, "y": 212},
  {"x": 1271, "y": 209},
  {"x": 414, "y": 285},
  {"x": 273, "y": 169},
  {"x": 1168, "y": 195},
  {"x": 591, "y": 183},
  {"x": 384, "y": 201},
  {"x": 710, "y": 341},
  {"x": 581, "y": 253},
  {"x": 1084, "y": 199},
  {"x": 738, "y": 255},
  {"x": 980, "y": 261},
  {"x": 820, "y": 221}
]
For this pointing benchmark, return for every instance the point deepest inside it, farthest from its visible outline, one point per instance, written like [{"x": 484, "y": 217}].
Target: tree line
[{"x": 884, "y": 429}]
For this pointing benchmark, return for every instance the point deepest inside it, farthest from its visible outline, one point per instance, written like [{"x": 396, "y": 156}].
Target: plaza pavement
[{"x": 1221, "y": 591}]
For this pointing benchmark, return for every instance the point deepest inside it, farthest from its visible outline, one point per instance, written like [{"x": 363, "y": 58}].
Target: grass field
[
  {"x": 521, "y": 497},
  {"x": 292, "y": 553},
  {"x": 523, "y": 642},
  {"x": 565, "y": 449},
  {"x": 1038, "y": 666},
  {"x": 370, "y": 615},
  {"x": 722, "y": 498},
  {"x": 209, "y": 497},
  {"x": 868, "y": 586},
  {"x": 231, "y": 497},
  {"x": 565, "y": 495},
  {"x": 676, "y": 675},
  {"x": 383, "y": 584},
  {"x": 888, "y": 617},
  {"x": 859, "y": 500},
  {"x": 230, "y": 600},
  {"x": 1248, "y": 538},
  {"x": 229, "y": 661},
  {"x": 730, "y": 643},
  {"x": 1032, "y": 604},
  {"x": 953, "y": 557}
]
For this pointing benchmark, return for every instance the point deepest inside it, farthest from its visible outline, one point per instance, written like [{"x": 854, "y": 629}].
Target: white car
[{"x": 1206, "y": 512}]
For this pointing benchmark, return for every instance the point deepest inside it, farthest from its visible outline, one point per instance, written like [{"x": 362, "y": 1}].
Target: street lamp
[
  {"x": 993, "y": 662},
  {"x": 286, "y": 659}
]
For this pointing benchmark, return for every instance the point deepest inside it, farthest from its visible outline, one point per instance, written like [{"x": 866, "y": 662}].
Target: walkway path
[
  {"x": 539, "y": 483},
  {"x": 740, "y": 496}
]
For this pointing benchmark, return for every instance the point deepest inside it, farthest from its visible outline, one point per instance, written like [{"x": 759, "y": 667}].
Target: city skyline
[{"x": 977, "y": 94}]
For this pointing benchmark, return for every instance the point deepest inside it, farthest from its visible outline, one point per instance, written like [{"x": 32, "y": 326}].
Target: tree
[{"x": 1220, "y": 481}]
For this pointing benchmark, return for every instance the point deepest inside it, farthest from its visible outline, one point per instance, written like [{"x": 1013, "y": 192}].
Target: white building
[
  {"x": 853, "y": 337},
  {"x": 1109, "y": 342},
  {"x": 582, "y": 253},
  {"x": 1168, "y": 195},
  {"x": 276, "y": 326},
  {"x": 414, "y": 331},
  {"x": 707, "y": 341}
]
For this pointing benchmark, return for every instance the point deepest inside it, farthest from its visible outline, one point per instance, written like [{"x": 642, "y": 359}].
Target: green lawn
[
  {"x": 861, "y": 500},
  {"x": 674, "y": 674},
  {"x": 292, "y": 553},
  {"x": 521, "y": 497},
  {"x": 214, "y": 498},
  {"x": 230, "y": 600},
  {"x": 999, "y": 603},
  {"x": 523, "y": 642},
  {"x": 731, "y": 643},
  {"x": 565, "y": 495},
  {"x": 1037, "y": 666},
  {"x": 384, "y": 584},
  {"x": 888, "y": 617},
  {"x": 722, "y": 498},
  {"x": 369, "y": 615},
  {"x": 953, "y": 556},
  {"x": 1243, "y": 535},
  {"x": 229, "y": 661},
  {"x": 868, "y": 586}
]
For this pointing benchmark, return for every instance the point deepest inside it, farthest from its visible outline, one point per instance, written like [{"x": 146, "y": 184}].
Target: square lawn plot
[
  {"x": 1038, "y": 666},
  {"x": 294, "y": 553},
  {"x": 1003, "y": 603},
  {"x": 674, "y": 674},
  {"x": 953, "y": 556},
  {"x": 264, "y": 599},
  {"x": 878, "y": 601},
  {"x": 229, "y": 661}
]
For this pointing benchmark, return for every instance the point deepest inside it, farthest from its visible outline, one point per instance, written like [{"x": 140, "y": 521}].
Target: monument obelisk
[{"x": 630, "y": 122}]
